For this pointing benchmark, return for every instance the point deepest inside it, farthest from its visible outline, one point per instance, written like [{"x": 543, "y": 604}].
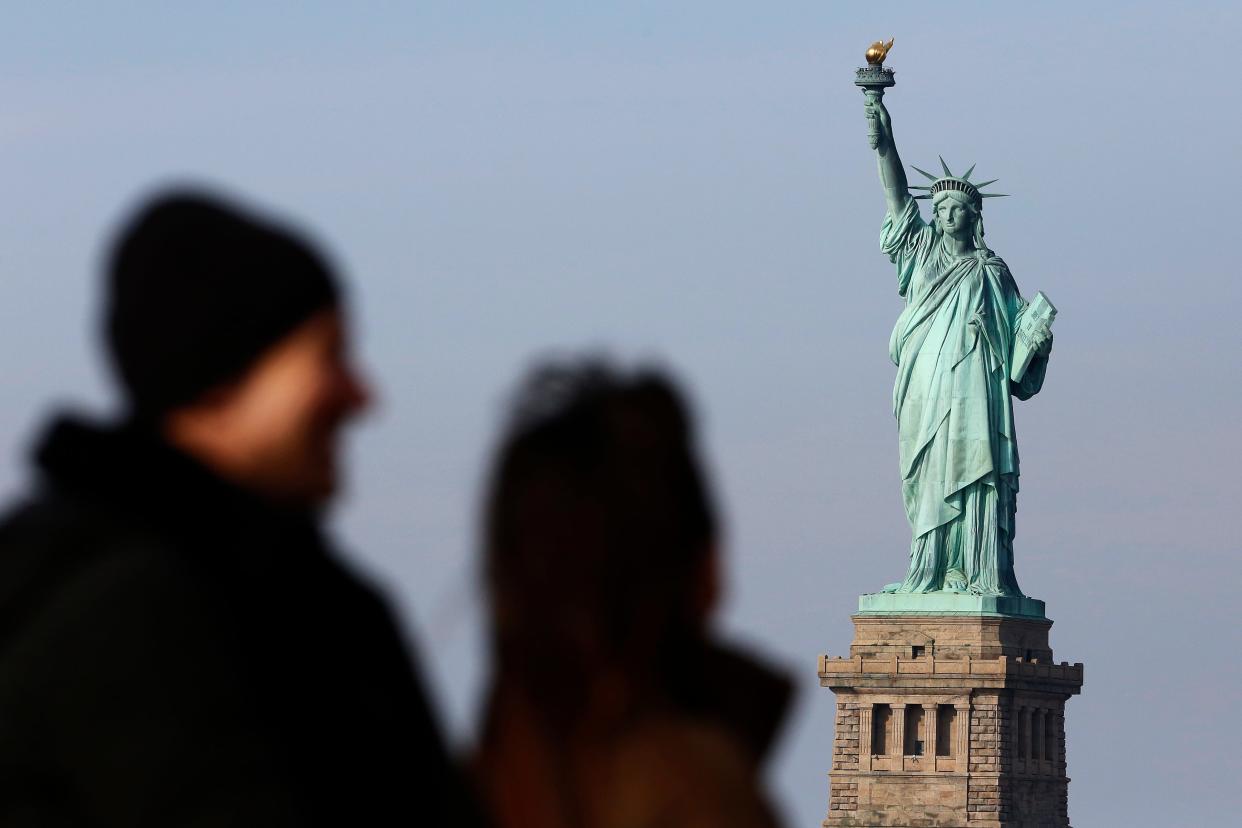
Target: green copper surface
[
  {"x": 954, "y": 346},
  {"x": 949, "y": 603}
]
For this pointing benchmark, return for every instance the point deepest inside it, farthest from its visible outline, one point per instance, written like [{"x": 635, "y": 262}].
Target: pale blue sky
[{"x": 691, "y": 182}]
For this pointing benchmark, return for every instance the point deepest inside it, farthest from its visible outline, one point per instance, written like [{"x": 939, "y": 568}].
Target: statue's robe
[{"x": 958, "y": 451}]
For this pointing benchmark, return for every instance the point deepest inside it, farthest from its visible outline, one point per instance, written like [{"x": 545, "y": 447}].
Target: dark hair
[{"x": 598, "y": 520}]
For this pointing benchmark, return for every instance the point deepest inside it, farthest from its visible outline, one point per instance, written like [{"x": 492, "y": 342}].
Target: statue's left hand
[{"x": 1044, "y": 338}]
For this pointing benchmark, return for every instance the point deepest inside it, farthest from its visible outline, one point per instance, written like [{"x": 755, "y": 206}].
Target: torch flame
[{"x": 878, "y": 51}]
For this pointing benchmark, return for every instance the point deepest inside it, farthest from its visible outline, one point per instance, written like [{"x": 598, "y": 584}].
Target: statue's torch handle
[
  {"x": 873, "y": 80},
  {"x": 873, "y": 118}
]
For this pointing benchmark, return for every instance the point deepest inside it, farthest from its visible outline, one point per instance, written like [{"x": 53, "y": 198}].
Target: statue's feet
[
  {"x": 890, "y": 588},
  {"x": 955, "y": 582},
  {"x": 996, "y": 593}
]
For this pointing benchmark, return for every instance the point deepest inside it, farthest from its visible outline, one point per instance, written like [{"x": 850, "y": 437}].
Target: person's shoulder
[
  {"x": 688, "y": 770},
  {"x": 691, "y": 741},
  {"x": 71, "y": 566},
  {"x": 54, "y": 531}
]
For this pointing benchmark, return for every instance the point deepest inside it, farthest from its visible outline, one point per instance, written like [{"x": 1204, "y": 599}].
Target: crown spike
[
  {"x": 966, "y": 175},
  {"x": 918, "y": 187},
  {"x": 986, "y": 183},
  {"x": 993, "y": 195},
  {"x": 947, "y": 171},
  {"x": 925, "y": 173}
]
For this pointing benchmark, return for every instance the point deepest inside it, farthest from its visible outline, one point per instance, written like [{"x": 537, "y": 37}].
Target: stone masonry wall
[
  {"x": 994, "y": 673},
  {"x": 996, "y": 791},
  {"x": 844, "y": 795},
  {"x": 1040, "y": 803},
  {"x": 1044, "y": 802},
  {"x": 990, "y": 727}
]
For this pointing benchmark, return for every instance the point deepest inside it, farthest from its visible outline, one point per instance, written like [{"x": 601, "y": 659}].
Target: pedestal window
[
  {"x": 946, "y": 724},
  {"x": 914, "y": 730},
  {"x": 880, "y": 715}
]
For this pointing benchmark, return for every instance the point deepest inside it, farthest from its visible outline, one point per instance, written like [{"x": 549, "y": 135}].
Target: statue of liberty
[{"x": 953, "y": 346}]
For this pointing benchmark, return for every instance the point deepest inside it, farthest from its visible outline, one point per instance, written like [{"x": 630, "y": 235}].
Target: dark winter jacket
[{"x": 174, "y": 652}]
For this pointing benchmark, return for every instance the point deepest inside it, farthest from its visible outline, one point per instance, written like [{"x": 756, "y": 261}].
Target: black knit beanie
[{"x": 197, "y": 290}]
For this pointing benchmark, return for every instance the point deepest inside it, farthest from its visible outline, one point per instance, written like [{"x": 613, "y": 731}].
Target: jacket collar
[{"x": 130, "y": 469}]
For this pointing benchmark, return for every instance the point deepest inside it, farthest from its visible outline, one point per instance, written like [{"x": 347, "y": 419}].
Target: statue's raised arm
[
  {"x": 892, "y": 175},
  {"x": 873, "y": 80}
]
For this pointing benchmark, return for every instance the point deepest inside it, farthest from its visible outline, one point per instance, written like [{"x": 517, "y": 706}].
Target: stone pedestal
[{"x": 949, "y": 720}]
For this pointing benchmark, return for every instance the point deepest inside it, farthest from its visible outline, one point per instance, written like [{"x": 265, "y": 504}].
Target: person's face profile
[{"x": 288, "y": 409}]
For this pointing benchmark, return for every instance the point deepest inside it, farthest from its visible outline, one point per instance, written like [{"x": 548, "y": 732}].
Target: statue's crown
[{"x": 958, "y": 183}]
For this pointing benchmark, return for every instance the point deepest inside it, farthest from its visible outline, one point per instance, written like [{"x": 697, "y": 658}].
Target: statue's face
[{"x": 955, "y": 219}]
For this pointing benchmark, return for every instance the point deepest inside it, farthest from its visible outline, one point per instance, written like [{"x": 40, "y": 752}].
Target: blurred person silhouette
[
  {"x": 610, "y": 702},
  {"x": 178, "y": 643}
]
